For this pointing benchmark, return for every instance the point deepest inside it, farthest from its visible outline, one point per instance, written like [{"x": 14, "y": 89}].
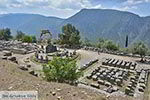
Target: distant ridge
[
  {"x": 30, "y": 23},
  {"x": 92, "y": 23}
]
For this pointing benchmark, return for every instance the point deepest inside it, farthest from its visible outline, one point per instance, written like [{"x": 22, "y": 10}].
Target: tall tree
[
  {"x": 127, "y": 39},
  {"x": 70, "y": 35}
]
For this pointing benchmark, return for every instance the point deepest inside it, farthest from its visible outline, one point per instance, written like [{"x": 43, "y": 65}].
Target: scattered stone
[
  {"x": 59, "y": 98},
  {"x": 95, "y": 85},
  {"x": 7, "y": 53},
  {"x": 47, "y": 94},
  {"x": 12, "y": 58},
  {"x": 53, "y": 93},
  {"x": 10, "y": 88},
  {"x": 29, "y": 66},
  {"x": 4, "y": 57},
  {"x": 23, "y": 67},
  {"x": 58, "y": 90},
  {"x": 74, "y": 94},
  {"x": 33, "y": 73}
]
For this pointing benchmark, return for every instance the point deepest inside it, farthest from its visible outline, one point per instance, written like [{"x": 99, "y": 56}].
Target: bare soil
[{"x": 14, "y": 79}]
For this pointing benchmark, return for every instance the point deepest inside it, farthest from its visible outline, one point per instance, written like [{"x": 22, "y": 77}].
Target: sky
[{"x": 67, "y": 8}]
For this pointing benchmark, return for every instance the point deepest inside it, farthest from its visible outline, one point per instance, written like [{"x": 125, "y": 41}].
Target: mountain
[
  {"x": 92, "y": 23},
  {"x": 30, "y": 23},
  {"x": 111, "y": 24}
]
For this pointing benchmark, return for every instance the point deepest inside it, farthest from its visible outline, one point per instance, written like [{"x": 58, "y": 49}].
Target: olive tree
[
  {"x": 107, "y": 44},
  {"x": 141, "y": 49}
]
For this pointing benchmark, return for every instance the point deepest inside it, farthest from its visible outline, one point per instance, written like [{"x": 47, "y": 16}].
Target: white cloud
[
  {"x": 130, "y": 5},
  {"x": 35, "y": 3},
  {"x": 87, "y": 4},
  {"x": 98, "y": 6},
  {"x": 10, "y": 3},
  {"x": 125, "y": 8},
  {"x": 134, "y": 2},
  {"x": 58, "y": 4}
]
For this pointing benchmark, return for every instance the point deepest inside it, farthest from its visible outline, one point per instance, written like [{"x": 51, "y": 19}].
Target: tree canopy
[
  {"x": 5, "y": 34},
  {"x": 61, "y": 70},
  {"x": 25, "y": 38},
  {"x": 107, "y": 44},
  {"x": 70, "y": 35},
  {"x": 87, "y": 42},
  {"x": 140, "y": 48},
  {"x": 100, "y": 43},
  {"x": 34, "y": 40}
]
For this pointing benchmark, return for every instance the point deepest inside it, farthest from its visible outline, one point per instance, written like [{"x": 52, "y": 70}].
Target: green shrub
[
  {"x": 61, "y": 70},
  {"x": 109, "y": 45},
  {"x": 27, "y": 39}
]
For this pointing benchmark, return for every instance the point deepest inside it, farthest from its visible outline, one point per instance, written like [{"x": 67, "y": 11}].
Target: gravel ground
[{"x": 89, "y": 55}]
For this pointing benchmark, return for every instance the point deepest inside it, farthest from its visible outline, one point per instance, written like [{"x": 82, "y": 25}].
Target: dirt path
[{"x": 21, "y": 60}]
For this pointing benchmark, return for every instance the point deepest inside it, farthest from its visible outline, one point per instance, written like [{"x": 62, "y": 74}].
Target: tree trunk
[{"x": 142, "y": 59}]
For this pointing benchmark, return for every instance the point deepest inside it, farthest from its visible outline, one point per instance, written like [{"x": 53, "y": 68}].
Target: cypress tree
[{"x": 126, "y": 44}]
